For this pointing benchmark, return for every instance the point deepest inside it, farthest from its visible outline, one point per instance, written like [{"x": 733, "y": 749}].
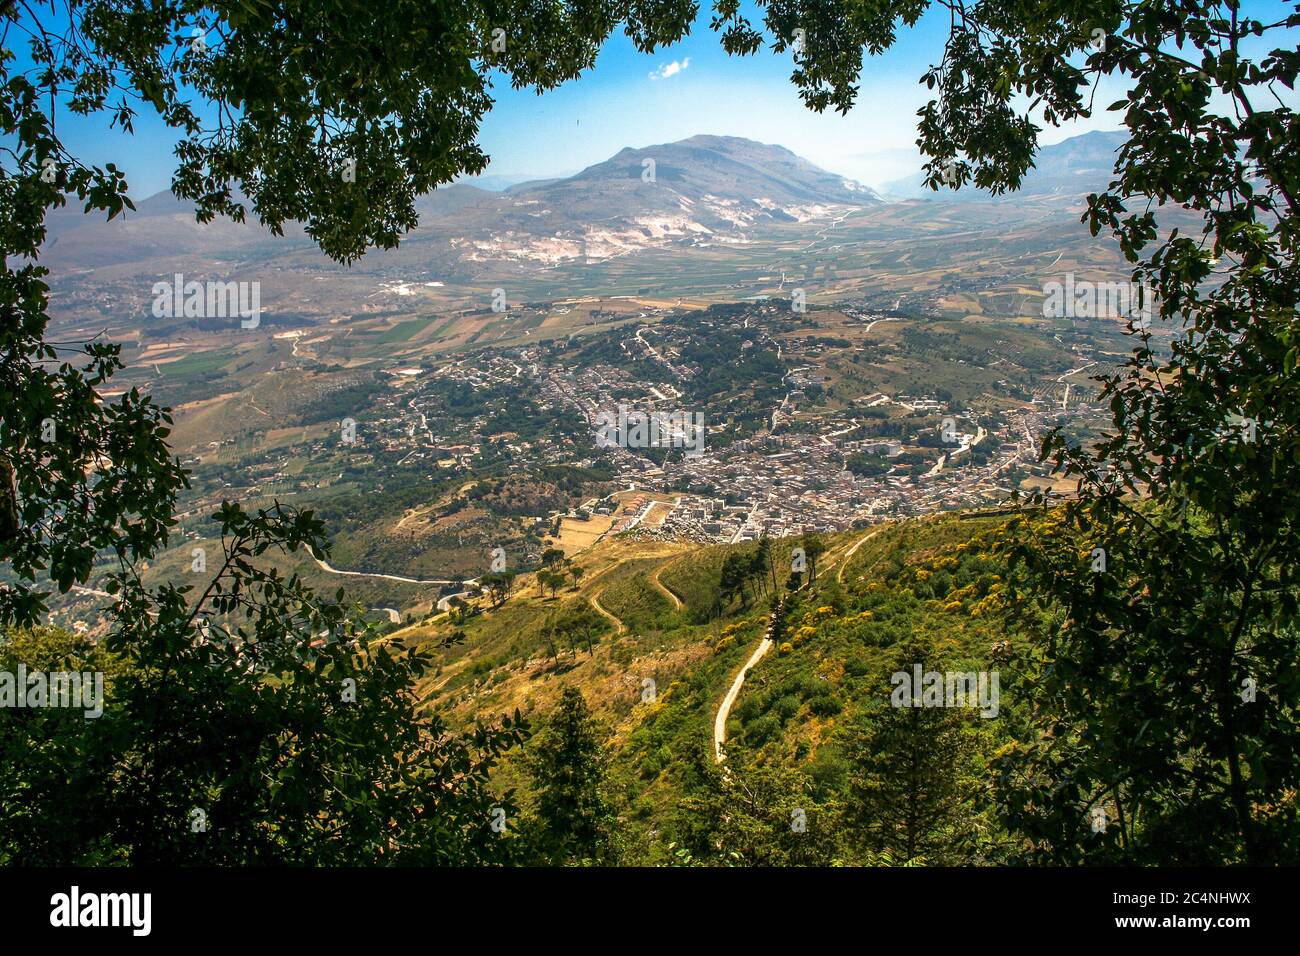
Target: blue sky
[
  {"x": 619, "y": 104},
  {"x": 695, "y": 88}
]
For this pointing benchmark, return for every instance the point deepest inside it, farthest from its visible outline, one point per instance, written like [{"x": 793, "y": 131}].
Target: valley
[
  {"x": 563, "y": 454},
  {"x": 442, "y": 443},
  {"x": 858, "y": 361}
]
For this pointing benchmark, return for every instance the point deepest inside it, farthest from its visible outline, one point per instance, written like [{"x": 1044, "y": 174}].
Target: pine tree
[
  {"x": 911, "y": 783},
  {"x": 567, "y": 763}
]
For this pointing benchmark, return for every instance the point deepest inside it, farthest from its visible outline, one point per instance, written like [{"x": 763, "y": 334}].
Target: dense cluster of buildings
[{"x": 784, "y": 481}]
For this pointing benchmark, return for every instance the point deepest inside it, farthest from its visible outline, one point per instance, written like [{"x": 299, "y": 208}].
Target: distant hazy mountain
[
  {"x": 1070, "y": 169},
  {"x": 494, "y": 182}
]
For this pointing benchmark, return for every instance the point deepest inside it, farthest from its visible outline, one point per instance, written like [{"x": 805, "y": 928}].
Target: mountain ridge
[
  {"x": 1072, "y": 168},
  {"x": 653, "y": 195}
]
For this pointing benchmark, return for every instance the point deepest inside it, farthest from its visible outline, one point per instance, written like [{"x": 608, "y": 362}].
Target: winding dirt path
[
  {"x": 844, "y": 561},
  {"x": 764, "y": 646},
  {"x": 325, "y": 566},
  {"x": 447, "y": 674},
  {"x": 720, "y": 721},
  {"x": 620, "y": 627},
  {"x": 677, "y": 602}
]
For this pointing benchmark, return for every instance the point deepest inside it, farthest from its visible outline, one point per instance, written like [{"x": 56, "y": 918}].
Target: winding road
[
  {"x": 764, "y": 646},
  {"x": 844, "y": 562},
  {"x": 325, "y": 566}
]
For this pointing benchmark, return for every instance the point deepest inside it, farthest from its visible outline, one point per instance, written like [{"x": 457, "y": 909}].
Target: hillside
[{"x": 655, "y": 674}]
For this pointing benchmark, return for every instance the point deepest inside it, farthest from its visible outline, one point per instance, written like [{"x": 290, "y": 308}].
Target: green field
[{"x": 197, "y": 364}]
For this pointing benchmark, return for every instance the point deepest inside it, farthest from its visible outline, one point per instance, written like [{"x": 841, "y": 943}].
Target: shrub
[
  {"x": 762, "y": 730},
  {"x": 786, "y": 707},
  {"x": 826, "y": 706}
]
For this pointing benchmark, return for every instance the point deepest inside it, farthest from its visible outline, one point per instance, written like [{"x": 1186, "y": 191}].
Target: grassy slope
[{"x": 924, "y": 580}]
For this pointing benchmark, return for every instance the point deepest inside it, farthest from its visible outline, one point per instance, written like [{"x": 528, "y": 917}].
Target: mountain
[
  {"x": 694, "y": 190},
  {"x": 1070, "y": 169},
  {"x": 698, "y": 190},
  {"x": 495, "y": 183},
  {"x": 733, "y": 179},
  {"x": 708, "y": 215}
]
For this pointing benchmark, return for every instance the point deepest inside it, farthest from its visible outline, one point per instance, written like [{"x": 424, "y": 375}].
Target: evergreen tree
[
  {"x": 567, "y": 762},
  {"x": 748, "y": 813},
  {"x": 732, "y": 581},
  {"x": 813, "y": 548},
  {"x": 912, "y": 781}
]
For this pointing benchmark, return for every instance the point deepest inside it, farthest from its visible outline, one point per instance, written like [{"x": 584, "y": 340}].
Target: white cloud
[{"x": 670, "y": 69}]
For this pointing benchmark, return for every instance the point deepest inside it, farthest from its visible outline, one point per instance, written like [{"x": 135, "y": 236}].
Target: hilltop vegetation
[
  {"x": 822, "y": 764},
  {"x": 606, "y": 684},
  {"x": 916, "y": 592}
]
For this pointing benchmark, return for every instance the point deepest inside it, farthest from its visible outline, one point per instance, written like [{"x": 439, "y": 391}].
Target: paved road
[{"x": 325, "y": 566}]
